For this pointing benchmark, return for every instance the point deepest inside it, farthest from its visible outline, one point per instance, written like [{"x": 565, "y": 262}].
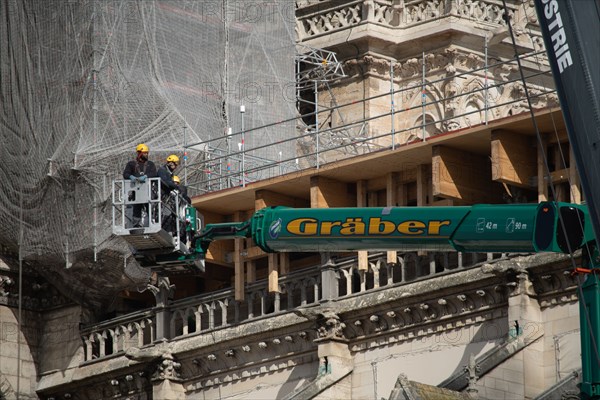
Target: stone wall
[
  {"x": 60, "y": 343},
  {"x": 20, "y": 345}
]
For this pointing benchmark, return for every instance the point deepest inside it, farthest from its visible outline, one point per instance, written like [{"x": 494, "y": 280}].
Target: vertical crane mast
[{"x": 571, "y": 32}]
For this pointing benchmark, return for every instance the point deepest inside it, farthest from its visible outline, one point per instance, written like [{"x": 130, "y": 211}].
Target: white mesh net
[{"x": 83, "y": 82}]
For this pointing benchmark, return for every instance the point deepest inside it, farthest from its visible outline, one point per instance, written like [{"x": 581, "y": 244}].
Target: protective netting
[{"x": 83, "y": 82}]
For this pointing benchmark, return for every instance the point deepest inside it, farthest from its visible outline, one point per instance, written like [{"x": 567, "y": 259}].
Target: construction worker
[
  {"x": 169, "y": 191},
  {"x": 183, "y": 193},
  {"x": 165, "y": 173},
  {"x": 139, "y": 170},
  {"x": 182, "y": 189}
]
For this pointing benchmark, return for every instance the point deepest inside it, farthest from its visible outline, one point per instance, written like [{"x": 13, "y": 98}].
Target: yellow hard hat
[
  {"x": 142, "y": 147},
  {"x": 173, "y": 158},
  {"x": 176, "y": 179}
]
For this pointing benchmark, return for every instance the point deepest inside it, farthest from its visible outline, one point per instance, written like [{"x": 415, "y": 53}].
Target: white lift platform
[{"x": 158, "y": 226}]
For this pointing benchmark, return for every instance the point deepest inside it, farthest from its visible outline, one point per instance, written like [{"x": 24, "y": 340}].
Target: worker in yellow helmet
[
  {"x": 141, "y": 168},
  {"x": 138, "y": 171},
  {"x": 182, "y": 189},
  {"x": 165, "y": 173}
]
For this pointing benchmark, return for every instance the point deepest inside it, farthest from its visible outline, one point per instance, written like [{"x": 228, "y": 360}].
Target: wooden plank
[
  {"x": 512, "y": 158},
  {"x": 560, "y": 176},
  {"x": 284, "y": 263},
  {"x": 541, "y": 169},
  {"x": 391, "y": 192},
  {"x": 250, "y": 271},
  {"x": 218, "y": 252},
  {"x": 575, "y": 191},
  {"x": 273, "y": 277},
  {"x": 373, "y": 199},
  {"x": 268, "y": 198},
  {"x": 251, "y": 253},
  {"x": 422, "y": 181},
  {"x": 239, "y": 278},
  {"x": 327, "y": 192},
  {"x": 391, "y": 200},
  {"x": 463, "y": 176},
  {"x": 361, "y": 201}
]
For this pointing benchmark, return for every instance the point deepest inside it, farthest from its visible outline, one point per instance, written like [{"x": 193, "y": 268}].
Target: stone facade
[
  {"x": 421, "y": 67},
  {"x": 354, "y": 346}
]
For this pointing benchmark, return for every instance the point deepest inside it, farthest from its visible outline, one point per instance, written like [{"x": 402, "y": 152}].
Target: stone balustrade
[
  {"x": 324, "y": 17},
  {"x": 119, "y": 334},
  {"x": 217, "y": 310}
]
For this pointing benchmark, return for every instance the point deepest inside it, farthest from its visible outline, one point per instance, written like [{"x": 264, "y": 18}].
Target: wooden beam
[
  {"x": 422, "y": 185},
  {"x": 211, "y": 217},
  {"x": 273, "y": 277},
  {"x": 239, "y": 279},
  {"x": 250, "y": 271},
  {"x": 268, "y": 198},
  {"x": 327, "y": 192},
  {"x": 391, "y": 200},
  {"x": 284, "y": 263},
  {"x": 361, "y": 201},
  {"x": 512, "y": 158},
  {"x": 541, "y": 169},
  {"x": 462, "y": 176},
  {"x": 218, "y": 251},
  {"x": 560, "y": 176},
  {"x": 251, "y": 253},
  {"x": 575, "y": 191}
]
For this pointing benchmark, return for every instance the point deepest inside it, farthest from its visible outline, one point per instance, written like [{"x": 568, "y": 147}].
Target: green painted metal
[
  {"x": 478, "y": 228},
  {"x": 191, "y": 218},
  {"x": 589, "y": 316}
]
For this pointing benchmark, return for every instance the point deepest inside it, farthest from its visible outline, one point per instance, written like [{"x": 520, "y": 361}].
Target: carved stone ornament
[
  {"x": 167, "y": 368},
  {"x": 330, "y": 326}
]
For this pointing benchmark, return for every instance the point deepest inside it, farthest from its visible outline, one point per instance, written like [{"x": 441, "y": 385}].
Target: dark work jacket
[
  {"x": 166, "y": 178},
  {"x": 137, "y": 168},
  {"x": 183, "y": 190}
]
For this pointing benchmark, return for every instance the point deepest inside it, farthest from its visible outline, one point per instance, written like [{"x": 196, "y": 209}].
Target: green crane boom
[
  {"x": 544, "y": 227},
  {"x": 478, "y": 228}
]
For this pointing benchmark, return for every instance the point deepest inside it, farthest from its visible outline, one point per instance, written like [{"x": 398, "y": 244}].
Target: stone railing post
[
  {"x": 329, "y": 280},
  {"x": 163, "y": 292},
  {"x": 368, "y": 11}
]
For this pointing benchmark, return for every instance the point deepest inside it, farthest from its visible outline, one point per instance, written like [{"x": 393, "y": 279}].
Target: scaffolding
[
  {"x": 417, "y": 109},
  {"x": 83, "y": 82}
]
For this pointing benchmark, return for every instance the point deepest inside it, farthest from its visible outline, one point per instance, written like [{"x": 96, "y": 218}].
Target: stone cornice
[{"x": 449, "y": 61}]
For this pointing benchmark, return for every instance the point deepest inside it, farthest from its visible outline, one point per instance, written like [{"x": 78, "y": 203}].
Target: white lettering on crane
[{"x": 558, "y": 37}]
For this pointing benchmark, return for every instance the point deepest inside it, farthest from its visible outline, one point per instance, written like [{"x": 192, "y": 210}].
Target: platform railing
[{"x": 412, "y": 111}]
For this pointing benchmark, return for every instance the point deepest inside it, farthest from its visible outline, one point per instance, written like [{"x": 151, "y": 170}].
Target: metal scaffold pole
[
  {"x": 423, "y": 97},
  {"x": 185, "y": 155},
  {"x": 243, "y": 147},
  {"x": 392, "y": 103},
  {"x": 485, "y": 79},
  {"x": 317, "y": 119}
]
